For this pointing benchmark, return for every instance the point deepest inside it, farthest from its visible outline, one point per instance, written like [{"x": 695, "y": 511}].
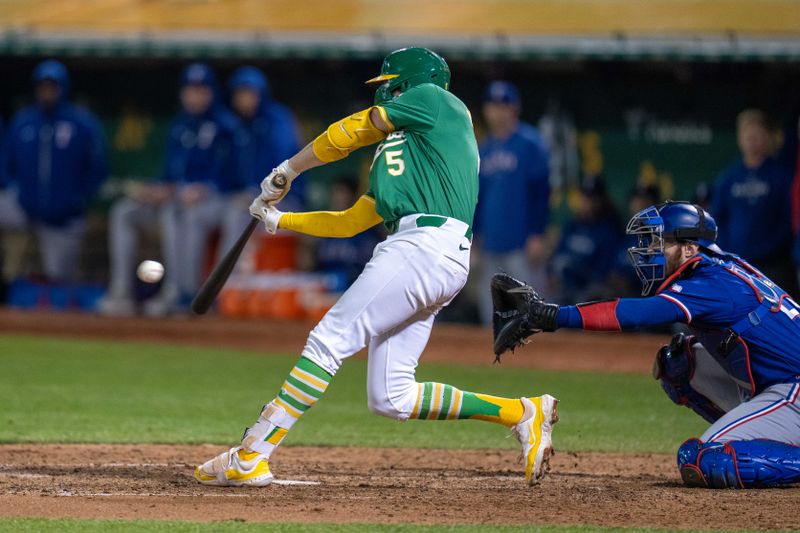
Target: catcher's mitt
[{"x": 519, "y": 312}]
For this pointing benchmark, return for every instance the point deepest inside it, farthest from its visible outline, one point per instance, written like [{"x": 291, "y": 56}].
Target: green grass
[
  {"x": 59, "y": 390},
  {"x": 68, "y": 526}
]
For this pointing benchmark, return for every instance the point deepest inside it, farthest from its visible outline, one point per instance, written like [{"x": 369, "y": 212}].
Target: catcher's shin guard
[
  {"x": 738, "y": 464},
  {"x": 674, "y": 367}
]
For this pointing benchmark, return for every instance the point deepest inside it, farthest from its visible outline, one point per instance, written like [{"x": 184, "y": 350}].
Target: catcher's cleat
[
  {"x": 235, "y": 468},
  {"x": 534, "y": 433}
]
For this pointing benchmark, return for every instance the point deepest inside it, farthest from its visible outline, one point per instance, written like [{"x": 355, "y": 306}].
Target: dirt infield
[
  {"x": 371, "y": 485},
  {"x": 376, "y": 485}
]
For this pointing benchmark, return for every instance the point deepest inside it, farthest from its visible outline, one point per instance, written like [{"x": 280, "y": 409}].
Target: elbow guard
[{"x": 346, "y": 135}]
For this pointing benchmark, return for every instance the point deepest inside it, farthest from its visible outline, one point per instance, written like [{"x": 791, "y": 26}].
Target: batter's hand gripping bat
[{"x": 216, "y": 280}]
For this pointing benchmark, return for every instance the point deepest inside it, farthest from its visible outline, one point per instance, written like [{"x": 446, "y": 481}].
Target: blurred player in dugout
[
  {"x": 594, "y": 235},
  {"x": 266, "y": 136},
  {"x": 751, "y": 201},
  {"x": 513, "y": 204},
  {"x": 52, "y": 161},
  {"x": 213, "y": 159}
]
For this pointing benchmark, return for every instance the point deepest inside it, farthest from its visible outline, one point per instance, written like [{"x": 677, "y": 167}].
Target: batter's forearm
[
  {"x": 305, "y": 160},
  {"x": 360, "y": 217}
]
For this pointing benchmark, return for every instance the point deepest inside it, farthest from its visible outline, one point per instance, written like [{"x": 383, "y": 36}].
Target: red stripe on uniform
[
  {"x": 792, "y": 396},
  {"x": 796, "y": 393},
  {"x": 679, "y": 304},
  {"x": 757, "y": 292},
  {"x": 783, "y": 403},
  {"x": 753, "y": 390},
  {"x": 600, "y": 316},
  {"x": 667, "y": 282}
]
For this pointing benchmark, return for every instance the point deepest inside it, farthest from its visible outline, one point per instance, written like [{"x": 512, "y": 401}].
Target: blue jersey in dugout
[
  {"x": 514, "y": 190},
  {"x": 267, "y": 139},
  {"x": 200, "y": 149},
  {"x": 750, "y": 325},
  {"x": 752, "y": 209},
  {"x": 56, "y": 158},
  {"x": 583, "y": 242}
]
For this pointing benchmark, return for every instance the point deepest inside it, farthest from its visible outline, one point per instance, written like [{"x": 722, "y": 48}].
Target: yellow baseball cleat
[
  {"x": 235, "y": 468},
  {"x": 534, "y": 433}
]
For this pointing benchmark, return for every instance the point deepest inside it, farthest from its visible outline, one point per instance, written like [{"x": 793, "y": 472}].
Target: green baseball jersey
[{"x": 429, "y": 164}]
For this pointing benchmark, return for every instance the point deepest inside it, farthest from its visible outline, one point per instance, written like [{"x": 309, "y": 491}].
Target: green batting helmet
[{"x": 408, "y": 67}]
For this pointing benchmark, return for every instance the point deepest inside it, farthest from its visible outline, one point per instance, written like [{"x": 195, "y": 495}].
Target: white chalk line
[
  {"x": 71, "y": 494},
  {"x": 81, "y": 494},
  {"x": 15, "y": 471},
  {"x": 99, "y": 465}
]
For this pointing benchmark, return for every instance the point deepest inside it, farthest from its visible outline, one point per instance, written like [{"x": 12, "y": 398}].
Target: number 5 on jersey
[{"x": 394, "y": 162}]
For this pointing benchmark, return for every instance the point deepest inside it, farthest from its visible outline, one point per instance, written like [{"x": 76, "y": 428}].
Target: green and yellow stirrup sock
[
  {"x": 303, "y": 387},
  {"x": 437, "y": 401}
]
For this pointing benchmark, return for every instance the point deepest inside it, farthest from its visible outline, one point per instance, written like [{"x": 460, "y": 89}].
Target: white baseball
[{"x": 150, "y": 271}]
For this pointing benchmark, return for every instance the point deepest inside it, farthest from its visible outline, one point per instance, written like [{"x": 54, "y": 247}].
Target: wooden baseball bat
[{"x": 216, "y": 280}]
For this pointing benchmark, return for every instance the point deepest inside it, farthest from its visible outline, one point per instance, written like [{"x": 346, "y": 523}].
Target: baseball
[{"x": 150, "y": 271}]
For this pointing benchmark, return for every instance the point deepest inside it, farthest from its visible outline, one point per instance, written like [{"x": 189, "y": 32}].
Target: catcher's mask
[
  {"x": 680, "y": 221},
  {"x": 407, "y": 68}
]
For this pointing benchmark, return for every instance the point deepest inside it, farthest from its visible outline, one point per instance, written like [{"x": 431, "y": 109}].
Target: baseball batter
[
  {"x": 740, "y": 370},
  {"x": 424, "y": 187}
]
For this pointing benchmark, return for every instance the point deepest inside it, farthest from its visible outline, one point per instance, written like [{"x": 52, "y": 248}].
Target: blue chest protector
[{"x": 749, "y": 324}]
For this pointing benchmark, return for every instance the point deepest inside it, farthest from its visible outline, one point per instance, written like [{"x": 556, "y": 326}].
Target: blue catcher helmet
[{"x": 680, "y": 221}]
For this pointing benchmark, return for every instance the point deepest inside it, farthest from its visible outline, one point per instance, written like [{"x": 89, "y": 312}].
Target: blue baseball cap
[
  {"x": 198, "y": 74},
  {"x": 502, "y": 92},
  {"x": 50, "y": 70},
  {"x": 250, "y": 77}
]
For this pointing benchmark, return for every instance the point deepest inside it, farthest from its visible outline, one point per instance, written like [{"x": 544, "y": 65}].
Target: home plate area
[{"x": 375, "y": 485}]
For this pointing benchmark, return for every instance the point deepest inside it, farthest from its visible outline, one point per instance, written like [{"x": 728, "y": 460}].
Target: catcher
[
  {"x": 740, "y": 368},
  {"x": 424, "y": 188}
]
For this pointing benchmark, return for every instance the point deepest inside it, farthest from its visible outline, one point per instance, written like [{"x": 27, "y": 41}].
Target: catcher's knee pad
[
  {"x": 738, "y": 464},
  {"x": 674, "y": 368}
]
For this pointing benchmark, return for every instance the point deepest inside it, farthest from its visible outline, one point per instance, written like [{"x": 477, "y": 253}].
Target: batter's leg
[
  {"x": 376, "y": 302},
  {"x": 392, "y": 391}
]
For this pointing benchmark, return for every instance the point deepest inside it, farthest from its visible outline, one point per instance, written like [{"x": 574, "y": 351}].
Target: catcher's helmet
[
  {"x": 408, "y": 67},
  {"x": 681, "y": 221}
]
